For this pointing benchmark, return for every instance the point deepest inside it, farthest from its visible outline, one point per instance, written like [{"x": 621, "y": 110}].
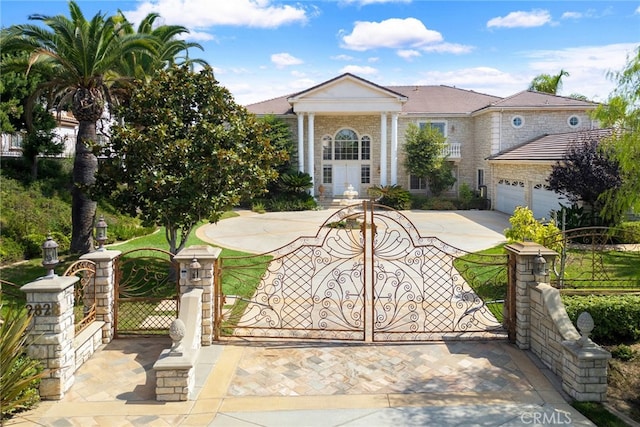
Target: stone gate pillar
[
  {"x": 105, "y": 289},
  {"x": 522, "y": 276},
  {"x": 50, "y": 300},
  {"x": 206, "y": 256}
]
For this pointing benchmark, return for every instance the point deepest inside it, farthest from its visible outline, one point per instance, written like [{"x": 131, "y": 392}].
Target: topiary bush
[{"x": 617, "y": 317}]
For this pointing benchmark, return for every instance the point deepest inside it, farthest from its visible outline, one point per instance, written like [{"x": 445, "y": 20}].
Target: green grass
[
  {"x": 486, "y": 272},
  {"x": 587, "y": 270},
  {"x": 598, "y": 414}
]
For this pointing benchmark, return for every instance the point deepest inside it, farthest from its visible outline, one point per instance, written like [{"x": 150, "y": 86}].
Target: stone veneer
[{"x": 542, "y": 326}]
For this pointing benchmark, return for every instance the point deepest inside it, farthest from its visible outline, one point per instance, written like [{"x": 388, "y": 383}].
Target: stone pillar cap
[
  {"x": 199, "y": 252},
  {"x": 529, "y": 248}
]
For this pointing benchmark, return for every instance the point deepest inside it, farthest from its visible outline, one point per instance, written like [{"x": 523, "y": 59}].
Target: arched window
[{"x": 346, "y": 145}]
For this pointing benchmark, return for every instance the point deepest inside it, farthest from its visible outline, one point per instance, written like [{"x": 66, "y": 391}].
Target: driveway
[{"x": 260, "y": 233}]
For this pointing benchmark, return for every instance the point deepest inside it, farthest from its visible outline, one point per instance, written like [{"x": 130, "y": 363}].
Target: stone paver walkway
[{"x": 314, "y": 384}]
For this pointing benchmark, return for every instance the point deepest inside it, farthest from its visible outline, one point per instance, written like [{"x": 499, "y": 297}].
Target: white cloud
[
  {"x": 572, "y": 15},
  {"x": 342, "y": 58},
  {"x": 367, "y": 2},
  {"x": 408, "y": 54},
  {"x": 209, "y": 13},
  {"x": 392, "y": 33},
  {"x": 520, "y": 19},
  {"x": 373, "y": 59},
  {"x": 284, "y": 59},
  {"x": 359, "y": 70},
  {"x": 480, "y": 79},
  {"x": 448, "y": 48},
  {"x": 587, "y": 65},
  {"x": 637, "y": 10}
]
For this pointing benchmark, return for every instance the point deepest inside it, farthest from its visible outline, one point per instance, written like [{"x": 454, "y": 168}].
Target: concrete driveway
[{"x": 260, "y": 233}]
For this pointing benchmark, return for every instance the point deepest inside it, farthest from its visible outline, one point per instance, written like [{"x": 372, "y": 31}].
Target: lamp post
[
  {"x": 540, "y": 268},
  {"x": 101, "y": 233},
  {"x": 194, "y": 270},
  {"x": 50, "y": 256}
]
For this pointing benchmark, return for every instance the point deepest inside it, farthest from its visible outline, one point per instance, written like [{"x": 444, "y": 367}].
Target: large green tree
[
  {"x": 83, "y": 59},
  {"x": 21, "y": 112},
  {"x": 186, "y": 152},
  {"x": 423, "y": 148},
  {"x": 622, "y": 112}
]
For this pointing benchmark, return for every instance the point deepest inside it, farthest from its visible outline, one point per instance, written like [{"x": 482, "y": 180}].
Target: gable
[{"x": 347, "y": 94}]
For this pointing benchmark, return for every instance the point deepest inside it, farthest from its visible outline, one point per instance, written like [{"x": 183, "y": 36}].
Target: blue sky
[{"x": 261, "y": 49}]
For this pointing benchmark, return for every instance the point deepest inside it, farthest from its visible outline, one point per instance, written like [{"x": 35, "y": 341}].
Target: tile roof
[
  {"x": 548, "y": 147},
  {"x": 531, "y": 98},
  {"x": 421, "y": 99},
  {"x": 438, "y": 100}
]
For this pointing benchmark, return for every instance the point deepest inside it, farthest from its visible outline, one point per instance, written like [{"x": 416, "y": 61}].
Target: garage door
[
  {"x": 545, "y": 200},
  {"x": 509, "y": 195}
]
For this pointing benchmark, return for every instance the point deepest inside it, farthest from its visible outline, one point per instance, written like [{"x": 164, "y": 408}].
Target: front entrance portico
[{"x": 354, "y": 97}]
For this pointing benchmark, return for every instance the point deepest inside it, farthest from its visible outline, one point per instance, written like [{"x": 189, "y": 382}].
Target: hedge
[{"x": 616, "y": 317}]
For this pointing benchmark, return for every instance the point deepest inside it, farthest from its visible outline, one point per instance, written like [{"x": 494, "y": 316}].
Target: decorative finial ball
[
  {"x": 585, "y": 323},
  {"x": 177, "y": 330}
]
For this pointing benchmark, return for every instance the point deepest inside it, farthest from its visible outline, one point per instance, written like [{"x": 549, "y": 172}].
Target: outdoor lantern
[
  {"x": 49, "y": 256},
  {"x": 540, "y": 265},
  {"x": 194, "y": 269},
  {"x": 101, "y": 233}
]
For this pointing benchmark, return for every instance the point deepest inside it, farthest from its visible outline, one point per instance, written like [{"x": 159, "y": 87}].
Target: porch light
[
  {"x": 539, "y": 265},
  {"x": 50, "y": 256},
  {"x": 101, "y": 233},
  {"x": 194, "y": 270}
]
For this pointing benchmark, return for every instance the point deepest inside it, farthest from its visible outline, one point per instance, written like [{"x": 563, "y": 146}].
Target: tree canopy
[
  {"x": 423, "y": 148},
  {"x": 585, "y": 173},
  {"x": 622, "y": 111},
  {"x": 187, "y": 152}
]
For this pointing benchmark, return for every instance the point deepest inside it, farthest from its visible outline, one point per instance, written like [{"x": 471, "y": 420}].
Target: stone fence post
[
  {"x": 105, "y": 289},
  {"x": 205, "y": 256},
  {"x": 50, "y": 300},
  {"x": 522, "y": 257}
]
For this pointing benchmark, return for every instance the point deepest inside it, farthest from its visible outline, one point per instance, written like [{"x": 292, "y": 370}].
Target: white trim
[
  {"x": 577, "y": 124},
  {"x": 394, "y": 149},
  {"x": 301, "y": 142},
  {"x": 310, "y": 148},
  {"x": 383, "y": 149},
  {"x": 513, "y": 118}
]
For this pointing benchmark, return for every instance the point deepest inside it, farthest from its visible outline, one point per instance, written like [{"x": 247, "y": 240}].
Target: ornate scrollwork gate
[
  {"x": 146, "y": 292},
  {"x": 367, "y": 275}
]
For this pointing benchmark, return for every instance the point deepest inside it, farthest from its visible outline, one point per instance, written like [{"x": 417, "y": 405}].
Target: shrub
[
  {"x": 525, "y": 227},
  {"x": 623, "y": 352},
  {"x": 20, "y": 374},
  {"x": 10, "y": 250},
  {"x": 617, "y": 317},
  {"x": 438, "y": 204},
  {"x": 393, "y": 196},
  {"x": 258, "y": 207},
  {"x": 630, "y": 232},
  {"x": 418, "y": 201},
  {"x": 466, "y": 196}
]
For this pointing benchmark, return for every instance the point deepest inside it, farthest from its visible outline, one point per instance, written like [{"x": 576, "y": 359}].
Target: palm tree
[
  {"x": 168, "y": 50},
  {"x": 547, "y": 83},
  {"x": 85, "y": 59}
]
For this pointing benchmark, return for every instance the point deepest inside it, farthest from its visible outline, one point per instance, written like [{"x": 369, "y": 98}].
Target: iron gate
[
  {"x": 366, "y": 275},
  {"x": 146, "y": 292}
]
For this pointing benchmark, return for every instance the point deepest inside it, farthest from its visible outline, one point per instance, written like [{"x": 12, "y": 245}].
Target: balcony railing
[{"x": 452, "y": 151}]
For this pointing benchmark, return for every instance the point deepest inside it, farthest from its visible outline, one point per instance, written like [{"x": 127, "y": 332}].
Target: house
[
  {"x": 350, "y": 131},
  {"x": 66, "y": 131}
]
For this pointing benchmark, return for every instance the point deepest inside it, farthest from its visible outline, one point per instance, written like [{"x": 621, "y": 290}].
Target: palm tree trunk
[{"x": 83, "y": 209}]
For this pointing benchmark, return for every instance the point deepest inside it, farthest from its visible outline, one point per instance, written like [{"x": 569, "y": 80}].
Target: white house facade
[{"x": 351, "y": 131}]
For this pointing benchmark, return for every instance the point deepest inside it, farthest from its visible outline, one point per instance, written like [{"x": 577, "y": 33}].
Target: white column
[
  {"x": 301, "y": 142},
  {"x": 310, "y": 150},
  {"x": 383, "y": 149},
  {"x": 394, "y": 149}
]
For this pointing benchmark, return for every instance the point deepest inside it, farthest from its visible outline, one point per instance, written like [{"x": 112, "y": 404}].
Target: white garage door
[
  {"x": 509, "y": 195},
  {"x": 545, "y": 200}
]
